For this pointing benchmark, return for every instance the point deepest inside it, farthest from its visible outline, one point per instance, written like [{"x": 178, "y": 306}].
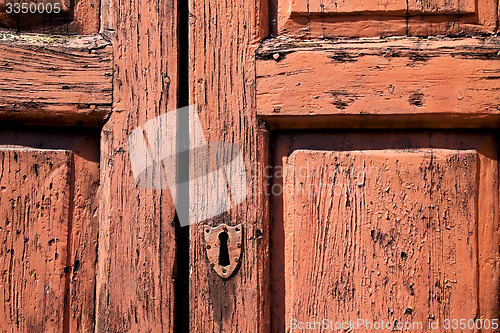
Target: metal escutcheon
[{"x": 223, "y": 244}]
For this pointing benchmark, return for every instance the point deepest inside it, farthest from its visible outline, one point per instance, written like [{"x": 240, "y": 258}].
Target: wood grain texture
[
  {"x": 35, "y": 222},
  {"x": 383, "y": 83},
  {"x": 55, "y": 80},
  {"x": 137, "y": 241},
  {"x": 331, "y": 19},
  {"x": 386, "y": 235},
  {"x": 341, "y": 7},
  {"x": 404, "y": 142},
  {"x": 223, "y": 38},
  {"x": 456, "y": 7},
  {"x": 82, "y": 246}
]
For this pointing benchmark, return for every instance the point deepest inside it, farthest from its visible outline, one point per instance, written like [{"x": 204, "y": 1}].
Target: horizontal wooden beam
[
  {"x": 379, "y": 83},
  {"x": 55, "y": 80}
]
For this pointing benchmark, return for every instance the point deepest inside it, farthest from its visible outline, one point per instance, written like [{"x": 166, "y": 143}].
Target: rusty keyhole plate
[{"x": 223, "y": 245}]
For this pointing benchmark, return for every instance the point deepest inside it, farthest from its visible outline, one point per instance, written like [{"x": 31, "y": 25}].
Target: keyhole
[{"x": 223, "y": 251}]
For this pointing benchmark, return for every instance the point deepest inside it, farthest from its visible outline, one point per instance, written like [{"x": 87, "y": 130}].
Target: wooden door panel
[
  {"x": 223, "y": 38},
  {"x": 136, "y": 270},
  {"x": 398, "y": 225},
  {"x": 381, "y": 235},
  {"x": 457, "y": 7},
  {"x": 35, "y": 195}
]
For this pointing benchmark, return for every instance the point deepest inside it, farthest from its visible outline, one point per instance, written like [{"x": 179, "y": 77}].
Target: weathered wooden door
[{"x": 369, "y": 141}]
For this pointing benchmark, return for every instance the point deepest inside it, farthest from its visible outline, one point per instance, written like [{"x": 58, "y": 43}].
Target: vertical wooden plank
[
  {"x": 84, "y": 232},
  {"x": 35, "y": 219},
  {"x": 136, "y": 256},
  {"x": 223, "y": 38},
  {"x": 385, "y": 235}
]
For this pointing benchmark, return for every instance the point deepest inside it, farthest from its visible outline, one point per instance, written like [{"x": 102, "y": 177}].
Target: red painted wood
[
  {"x": 382, "y": 83},
  {"x": 223, "y": 38},
  {"x": 355, "y": 201},
  {"x": 381, "y": 235},
  {"x": 35, "y": 215},
  {"x": 330, "y": 19},
  {"x": 55, "y": 80},
  {"x": 136, "y": 271}
]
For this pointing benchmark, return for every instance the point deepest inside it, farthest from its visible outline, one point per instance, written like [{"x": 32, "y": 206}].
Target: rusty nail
[
  {"x": 208, "y": 246},
  {"x": 224, "y": 271},
  {"x": 277, "y": 109},
  {"x": 208, "y": 230},
  {"x": 276, "y": 56},
  {"x": 212, "y": 265},
  {"x": 238, "y": 245},
  {"x": 236, "y": 259}
]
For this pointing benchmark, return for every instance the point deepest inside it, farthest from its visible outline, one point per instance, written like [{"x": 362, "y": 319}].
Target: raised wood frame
[
  {"x": 55, "y": 80},
  {"x": 346, "y": 87},
  {"x": 329, "y": 19},
  {"x": 383, "y": 83},
  {"x": 71, "y": 258},
  {"x": 136, "y": 287},
  {"x": 483, "y": 142}
]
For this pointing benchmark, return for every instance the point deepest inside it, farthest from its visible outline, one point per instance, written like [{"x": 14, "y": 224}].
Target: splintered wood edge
[
  {"x": 55, "y": 102},
  {"x": 285, "y": 45},
  {"x": 69, "y": 42}
]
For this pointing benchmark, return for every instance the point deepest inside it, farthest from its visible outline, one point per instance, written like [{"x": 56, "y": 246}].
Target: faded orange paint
[
  {"x": 67, "y": 81},
  {"x": 245, "y": 91}
]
